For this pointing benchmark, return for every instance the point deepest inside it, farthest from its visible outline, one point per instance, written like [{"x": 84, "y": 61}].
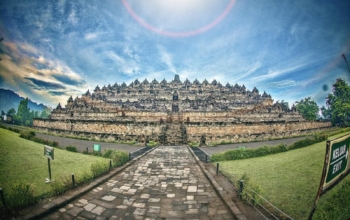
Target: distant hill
[{"x": 9, "y": 99}]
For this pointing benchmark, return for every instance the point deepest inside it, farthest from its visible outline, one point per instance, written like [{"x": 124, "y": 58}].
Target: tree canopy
[
  {"x": 23, "y": 112},
  {"x": 308, "y": 109},
  {"x": 24, "y": 116},
  {"x": 338, "y": 104}
]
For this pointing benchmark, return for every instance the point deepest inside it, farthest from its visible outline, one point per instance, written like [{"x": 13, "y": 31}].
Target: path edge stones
[
  {"x": 42, "y": 209},
  {"x": 219, "y": 190}
]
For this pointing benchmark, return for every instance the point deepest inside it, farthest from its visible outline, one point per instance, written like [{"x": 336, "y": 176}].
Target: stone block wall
[{"x": 217, "y": 127}]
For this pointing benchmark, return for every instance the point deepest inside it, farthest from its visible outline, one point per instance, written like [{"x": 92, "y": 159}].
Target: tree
[
  {"x": 11, "y": 112},
  {"x": 308, "y": 109},
  {"x": 338, "y": 104},
  {"x": 23, "y": 113},
  {"x": 44, "y": 114},
  {"x": 2, "y": 115}
]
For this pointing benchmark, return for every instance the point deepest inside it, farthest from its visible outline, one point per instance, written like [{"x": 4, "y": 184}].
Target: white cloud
[
  {"x": 286, "y": 83},
  {"x": 249, "y": 72},
  {"x": 91, "y": 36},
  {"x": 166, "y": 58},
  {"x": 29, "y": 76},
  {"x": 72, "y": 18},
  {"x": 129, "y": 67}
]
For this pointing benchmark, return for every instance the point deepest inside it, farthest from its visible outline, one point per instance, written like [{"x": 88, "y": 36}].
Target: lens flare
[{"x": 179, "y": 34}]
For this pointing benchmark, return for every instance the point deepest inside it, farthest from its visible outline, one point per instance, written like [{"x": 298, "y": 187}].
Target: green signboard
[
  {"x": 97, "y": 147},
  {"x": 338, "y": 162},
  {"x": 336, "y": 166},
  {"x": 49, "y": 152}
]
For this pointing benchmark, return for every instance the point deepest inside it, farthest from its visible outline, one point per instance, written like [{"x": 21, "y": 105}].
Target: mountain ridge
[{"x": 10, "y": 99}]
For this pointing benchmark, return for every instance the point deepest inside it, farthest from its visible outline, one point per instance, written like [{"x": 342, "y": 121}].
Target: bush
[
  {"x": 19, "y": 195},
  {"x": 320, "y": 137},
  {"x": 99, "y": 168},
  {"x": 96, "y": 153},
  {"x": 152, "y": 143},
  {"x": 194, "y": 144},
  {"x": 302, "y": 143},
  {"x": 217, "y": 157},
  {"x": 84, "y": 178},
  {"x": 250, "y": 195},
  {"x": 27, "y": 134},
  {"x": 58, "y": 188},
  {"x": 30, "y": 135},
  {"x": 118, "y": 157},
  {"x": 267, "y": 150},
  {"x": 71, "y": 149}
]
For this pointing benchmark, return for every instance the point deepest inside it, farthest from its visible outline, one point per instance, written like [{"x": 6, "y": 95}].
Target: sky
[{"x": 55, "y": 49}]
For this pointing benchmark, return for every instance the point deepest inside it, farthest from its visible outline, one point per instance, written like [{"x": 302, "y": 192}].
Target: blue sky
[{"x": 56, "y": 49}]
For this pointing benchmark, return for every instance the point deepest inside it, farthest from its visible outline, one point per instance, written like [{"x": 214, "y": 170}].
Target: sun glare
[{"x": 178, "y": 18}]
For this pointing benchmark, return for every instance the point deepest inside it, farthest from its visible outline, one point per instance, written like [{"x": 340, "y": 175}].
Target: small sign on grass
[{"x": 49, "y": 153}]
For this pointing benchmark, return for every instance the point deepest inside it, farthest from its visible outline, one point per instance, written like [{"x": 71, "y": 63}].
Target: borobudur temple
[{"x": 176, "y": 113}]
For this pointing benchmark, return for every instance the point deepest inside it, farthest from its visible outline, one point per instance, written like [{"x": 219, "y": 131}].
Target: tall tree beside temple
[
  {"x": 338, "y": 104},
  {"x": 308, "y": 109},
  {"x": 23, "y": 113}
]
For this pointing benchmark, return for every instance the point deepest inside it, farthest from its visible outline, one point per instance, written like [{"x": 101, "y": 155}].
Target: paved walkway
[{"x": 165, "y": 184}]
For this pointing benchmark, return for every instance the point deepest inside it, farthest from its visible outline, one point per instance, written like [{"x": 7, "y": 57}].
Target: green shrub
[
  {"x": 212, "y": 144},
  {"x": 96, "y": 153},
  {"x": 302, "y": 143},
  {"x": 118, "y": 157},
  {"x": 320, "y": 137},
  {"x": 71, "y": 149},
  {"x": 27, "y": 134},
  {"x": 250, "y": 191},
  {"x": 10, "y": 128},
  {"x": 99, "y": 168},
  {"x": 278, "y": 149},
  {"x": 152, "y": 143},
  {"x": 194, "y": 144},
  {"x": 19, "y": 195},
  {"x": 84, "y": 178},
  {"x": 242, "y": 153},
  {"x": 58, "y": 188},
  {"x": 217, "y": 157},
  {"x": 225, "y": 142},
  {"x": 30, "y": 135}
]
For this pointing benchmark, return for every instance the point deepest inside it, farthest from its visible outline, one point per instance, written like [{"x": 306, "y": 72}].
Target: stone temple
[{"x": 176, "y": 113}]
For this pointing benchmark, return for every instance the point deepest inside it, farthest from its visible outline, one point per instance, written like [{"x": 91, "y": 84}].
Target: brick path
[{"x": 165, "y": 184}]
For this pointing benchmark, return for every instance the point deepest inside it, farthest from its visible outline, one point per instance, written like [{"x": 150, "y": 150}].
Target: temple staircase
[{"x": 174, "y": 132}]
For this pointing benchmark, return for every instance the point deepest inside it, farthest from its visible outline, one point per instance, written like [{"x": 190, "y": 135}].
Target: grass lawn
[
  {"x": 23, "y": 160},
  {"x": 288, "y": 180}
]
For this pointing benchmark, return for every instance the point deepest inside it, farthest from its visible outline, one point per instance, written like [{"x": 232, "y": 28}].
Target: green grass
[
  {"x": 288, "y": 180},
  {"x": 23, "y": 160}
]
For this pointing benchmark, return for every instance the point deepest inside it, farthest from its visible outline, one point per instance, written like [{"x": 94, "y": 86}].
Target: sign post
[
  {"x": 49, "y": 153},
  {"x": 336, "y": 166}
]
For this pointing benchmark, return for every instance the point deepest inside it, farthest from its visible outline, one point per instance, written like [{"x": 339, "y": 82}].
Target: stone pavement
[{"x": 165, "y": 184}]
